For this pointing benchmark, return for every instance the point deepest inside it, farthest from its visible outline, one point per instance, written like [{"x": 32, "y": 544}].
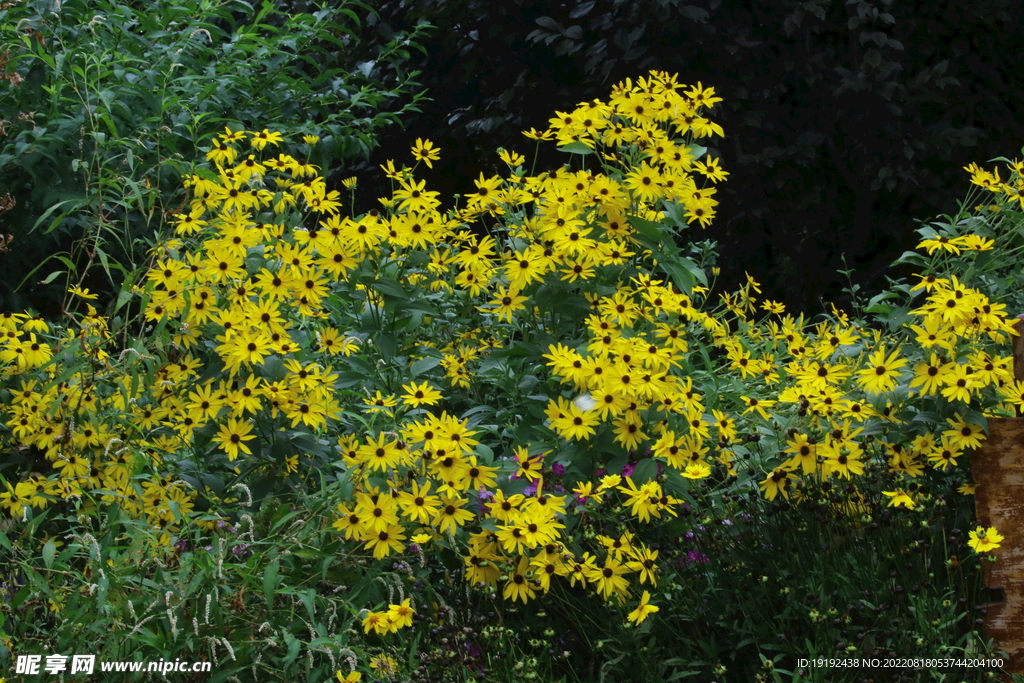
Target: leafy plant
[
  {"x": 524, "y": 402},
  {"x": 104, "y": 105}
]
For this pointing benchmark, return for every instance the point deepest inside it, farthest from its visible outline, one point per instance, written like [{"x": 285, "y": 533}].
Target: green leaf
[
  {"x": 424, "y": 364},
  {"x": 77, "y": 203},
  {"x": 646, "y": 228},
  {"x": 484, "y": 452},
  {"x": 49, "y": 550},
  {"x": 911, "y": 257},
  {"x": 270, "y": 581},
  {"x": 576, "y": 148},
  {"x": 51, "y": 277},
  {"x": 646, "y": 470},
  {"x": 389, "y": 287},
  {"x": 697, "y": 151},
  {"x": 294, "y": 645},
  {"x": 684, "y": 273},
  {"x": 387, "y": 345}
]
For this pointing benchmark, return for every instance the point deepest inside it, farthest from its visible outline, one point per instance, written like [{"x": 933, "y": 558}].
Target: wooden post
[
  {"x": 1018, "y": 350},
  {"x": 998, "y": 469}
]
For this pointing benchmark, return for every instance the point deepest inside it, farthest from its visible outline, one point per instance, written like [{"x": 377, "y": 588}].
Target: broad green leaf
[
  {"x": 647, "y": 228},
  {"x": 386, "y": 344},
  {"x": 576, "y": 148},
  {"x": 423, "y": 365},
  {"x": 646, "y": 470},
  {"x": 49, "y": 550},
  {"x": 270, "y": 580}
]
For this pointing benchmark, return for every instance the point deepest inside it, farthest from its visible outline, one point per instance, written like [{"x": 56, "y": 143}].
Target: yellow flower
[
  {"x": 260, "y": 140},
  {"x": 983, "y": 540},
  {"x": 380, "y": 403},
  {"x": 422, "y": 394},
  {"x": 232, "y": 437},
  {"x": 900, "y": 498},
  {"x": 534, "y": 135},
  {"x": 384, "y": 665},
  {"x": 401, "y": 615},
  {"x": 376, "y": 622},
  {"x": 585, "y": 491},
  {"x": 83, "y": 293},
  {"x": 882, "y": 371},
  {"x": 425, "y": 151},
  {"x": 932, "y": 244},
  {"x": 643, "y": 610},
  {"x": 353, "y": 677},
  {"x": 976, "y": 243},
  {"x": 513, "y": 159},
  {"x": 697, "y": 470}
]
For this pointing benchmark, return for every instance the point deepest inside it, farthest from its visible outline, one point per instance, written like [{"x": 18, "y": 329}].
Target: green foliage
[
  {"x": 104, "y": 107},
  {"x": 269, "y": 596},
  {"x": 578, "y": 461}
]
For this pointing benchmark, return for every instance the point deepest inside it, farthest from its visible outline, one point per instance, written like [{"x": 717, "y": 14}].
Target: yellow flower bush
[{"x": 500, "y": 378}]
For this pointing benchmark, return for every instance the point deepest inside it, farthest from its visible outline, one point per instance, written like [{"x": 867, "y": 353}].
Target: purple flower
[
  {"x": 182, "y": 546},
  {"x": 558, "y": 469},
  {"x": 697, "y": 556},
  {"x": 530, "y": 490},
  {"x": 627, "y": 470},
  {"x": 485, "y": 494}
]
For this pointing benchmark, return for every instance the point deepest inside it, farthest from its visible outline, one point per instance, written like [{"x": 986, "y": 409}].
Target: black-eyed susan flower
[
  {"x": 425, "y": 151},
  {"x": 385, "y": 542},
  {"x": 379, "y": 403},
  {"x": 900, "y": 498},
  {"x": 643, "y": 610},
  {"x": 882, "y": 371},
  {"x": 519, "y": 586},
  {"x": 263, "y": 138},
  {"x": 418, "y": 505},
  {"x": 610, "y": 579},
  {"x": 232, "y": 437},
  {"x": 451, "y": 514},
  {"x": 777, "y": 482},
  {"x": 964, "y": 434}
]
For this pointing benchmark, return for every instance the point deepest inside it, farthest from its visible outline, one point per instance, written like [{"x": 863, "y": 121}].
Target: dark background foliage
[
  {"x": 104, "y": 106},
  {"x": 846, "y": 120}
]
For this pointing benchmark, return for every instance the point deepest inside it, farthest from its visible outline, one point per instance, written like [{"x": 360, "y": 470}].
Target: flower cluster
[{"x": 535, "y": 379}]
